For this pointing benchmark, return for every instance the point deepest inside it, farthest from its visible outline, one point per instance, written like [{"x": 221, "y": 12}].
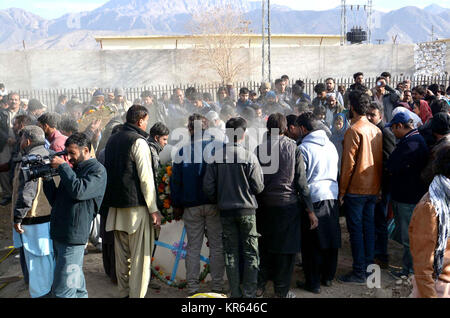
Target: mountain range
[{"x": 19, "y": 27}]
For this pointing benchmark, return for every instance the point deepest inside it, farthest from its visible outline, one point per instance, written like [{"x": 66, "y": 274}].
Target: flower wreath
[{"x": 166, "y": 209}]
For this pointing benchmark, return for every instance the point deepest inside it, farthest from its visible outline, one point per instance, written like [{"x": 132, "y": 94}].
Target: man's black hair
[
  {"x": 190, "y": 91},
  {"x": 300, "y": 83},
  {"x": 439, "y": 106},
  {"x": 319, "y": 110},
  {"x": 419, "y": 90},
  {"x": 303, "y": 107},
  {"x": 244, "y": 90},
  {"x": 330, "y": 79},
  {"x": 79, "y": 139},
  {"x": 196, "y": 96},
  {"x": 307, "y": 120},
  {"x": 52, "y": 119},
  {"x": 376, "y": 105},
  {"x": 441, "y": 163},
  {"x": 146, "y": 94},
  {"x": 297, "y": 90},
  {"x": 284, "y": 77},
  {"x": 238, "y": 125},
  {"x": 68, "y": 124},
  {"x": 278, "y": 81},
  {"x": 291, "y": 120},
  {"x": 359, "y": 102},
  {"x": 61, "y": 98},
  {"x": 357, "y": 74},
  {"x": 159, "y": 129},
  {"x": 34, "y": 104},
  {"x": 207, "y": 96},
  {"x": 386, "y": 74},
  {"x": 319, "y": 88},
  {"x": 193, "y": 118},
  {"x": 277, "y": 121},
  {"x": 249, "y": 114},
  {"x": 136, "y": 113},
  {"x": 23, "y": 120},
  {"x": 227, "y": 110},
  {"x": 434, "y": 88}
]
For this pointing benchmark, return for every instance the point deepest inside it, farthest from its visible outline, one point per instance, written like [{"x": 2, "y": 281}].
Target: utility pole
[
  {"x": 369, "y": 20},
  {"x": 266, "y": 39},
  {"x": 343, "y": 22}
]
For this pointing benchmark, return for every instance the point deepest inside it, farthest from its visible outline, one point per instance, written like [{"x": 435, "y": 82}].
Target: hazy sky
[{"x": 51, "y": 9}]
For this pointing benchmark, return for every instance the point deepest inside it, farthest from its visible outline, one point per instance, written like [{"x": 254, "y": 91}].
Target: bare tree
[{"x": 218, "y": 34}]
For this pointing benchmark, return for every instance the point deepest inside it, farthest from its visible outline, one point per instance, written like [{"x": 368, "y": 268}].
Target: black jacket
[
  {"x": 388, "y": 148},
  {"x": 405, "y": 166},
  {"x": 123, "y": 188},
  {"x": 76, "y": 201}
]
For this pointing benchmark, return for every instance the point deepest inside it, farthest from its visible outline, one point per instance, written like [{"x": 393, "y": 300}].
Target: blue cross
[{"x": 180, "y": 252}]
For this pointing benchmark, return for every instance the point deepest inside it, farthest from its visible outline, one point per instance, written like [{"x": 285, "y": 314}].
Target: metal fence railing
[{"x": 49, "y": 97}]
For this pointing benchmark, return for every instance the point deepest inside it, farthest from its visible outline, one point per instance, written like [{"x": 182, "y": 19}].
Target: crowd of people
[{"x": 265, "y": 176}]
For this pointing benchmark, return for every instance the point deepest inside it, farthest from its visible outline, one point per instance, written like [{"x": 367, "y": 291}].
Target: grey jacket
[{"x": 233, "y": 179}]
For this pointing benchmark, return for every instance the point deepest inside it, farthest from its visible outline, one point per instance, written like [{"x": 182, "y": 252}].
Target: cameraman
[
  {"x": 75, "y": 202},
  {"x": 31, "y": 213}
]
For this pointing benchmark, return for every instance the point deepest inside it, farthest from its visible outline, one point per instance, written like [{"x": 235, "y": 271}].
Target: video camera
[{"x": 37, "y": 166}]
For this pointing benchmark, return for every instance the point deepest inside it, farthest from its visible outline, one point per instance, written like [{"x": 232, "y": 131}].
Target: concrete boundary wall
[{"x": 34, "y": 69}]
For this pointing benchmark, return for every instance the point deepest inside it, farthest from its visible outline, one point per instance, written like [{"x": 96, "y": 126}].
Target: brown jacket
[
  {"x": 423, "y": 236},
  {"x": 362, "y": 159}
]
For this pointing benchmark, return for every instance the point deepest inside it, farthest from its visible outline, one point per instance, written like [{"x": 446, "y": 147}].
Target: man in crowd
[
  {"x": 285, "y": 196},
  {"x": 233, "y": 180},
  {"x": 31, "y": 214},
  {"x": 321, "y": 98},
  {"x": 407, "y": 98},
  {"x": 321, "y": 232},
  {"x": 332, "y": 89},
  {"x": 199, "y": 214},
  {"x": 440, "y": 128},
  {"x": 75, "y": 202},
  {"x": 35, "y": 109},
  {"x": 358, "y": 77},
  {"x": 387, "y": 96},
  {"x": 60, "y": 108},
  {"x": 243, "y": 100},
  {"x": 131, "y": 196},
  {"x": 49, "y": 123},
  {"x": 375, "y": 116},
  {"x": 159, "y": 134},
  {"x": 199, "y": 106},
  {"x": 280, "y": 90},
  {"x": 120, "y": 101},
  {"x": 178, "y": 110},
  {"x": 333, "y": 107},
  {"x": 271, "y": 104},
  {"x": 360, "y": 183},
  {"x": 263, "y": 90},
  {"x": 156, "y": 112},
  {"x": 405, "y": 166},
  {"x": 7, "y": 142}
]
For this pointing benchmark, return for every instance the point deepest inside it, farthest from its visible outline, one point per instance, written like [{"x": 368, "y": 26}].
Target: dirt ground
[{"x": 100, "y": 286}]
